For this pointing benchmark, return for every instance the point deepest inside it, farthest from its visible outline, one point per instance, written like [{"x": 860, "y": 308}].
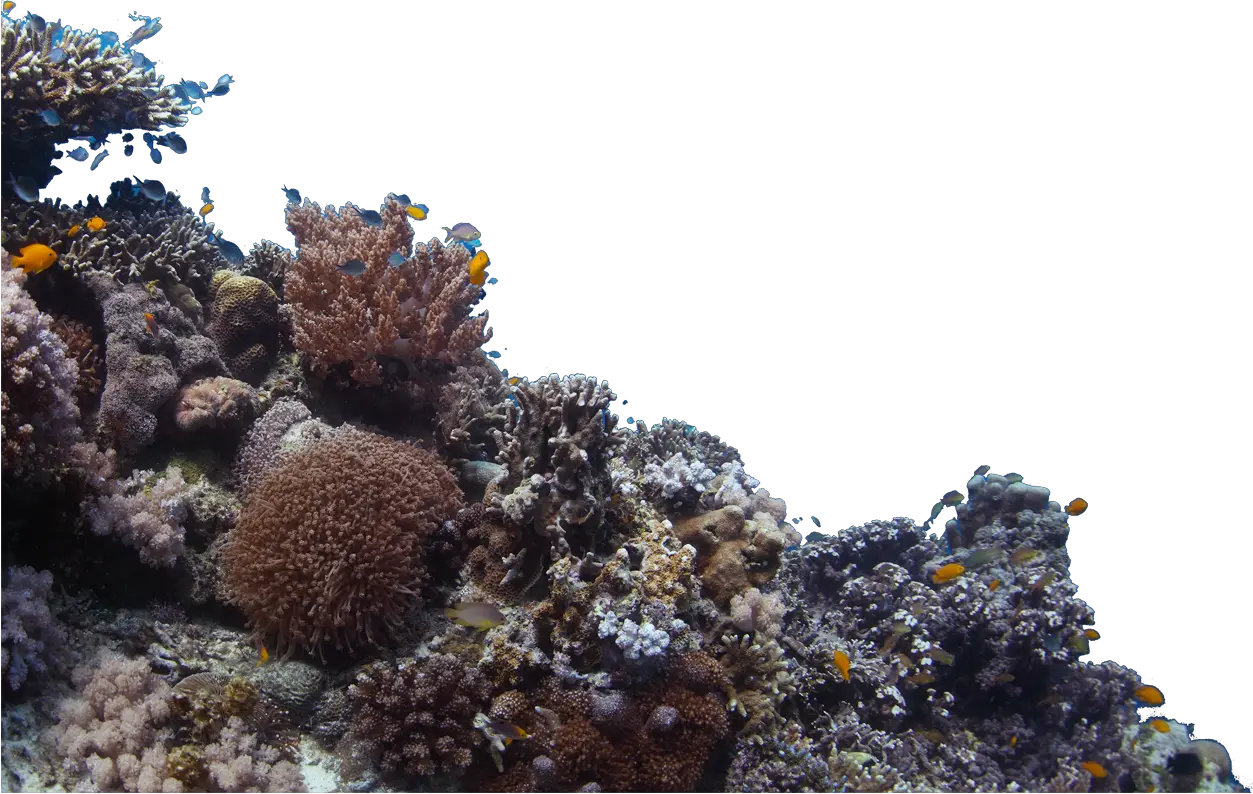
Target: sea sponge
[
  {"x": 244, "y": 323},
  {"x": 330, "y": 545}
]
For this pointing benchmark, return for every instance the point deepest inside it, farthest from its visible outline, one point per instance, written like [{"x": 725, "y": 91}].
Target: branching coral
[
  {"x": 94, "y": 90},
  {"x": 30, "y": 634},
  {"x": 329, "y": 547},
  {"x": 146, "y": 512},
  {"x": 415, "y": 718},
  {"x": 677, "y": 466},
  {"x": 416, "y": 311},
  {"x": 244, "y": 324},
  {"x": 268, "y": 261},
  {"x": 470, "y": 408},
  {"x": 40, "y": 416}
]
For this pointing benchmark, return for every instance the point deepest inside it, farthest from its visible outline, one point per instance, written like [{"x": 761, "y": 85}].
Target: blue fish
[
  {"x": 630, "y": 420},
  {"x": 150, "y": 28},
  {"x": 204, "y": 195},
  {"x": 370, "y": 217},
  {"x": 127, "y": 137},
  {"x": 230, "y": 251},
  {"x": 57, "y": 55},
  {"x": 353, "y": 267},
  {"x": 36, "y": 22},
  {"x": 151, "y": 189},
  {"x": 396, "y": 259},
  {"x": 817, "y": 523},
  {"x": 50, "y": 117},
  {"x": 149, "y": 138},
  {"x": 494, "y": 353},
  {"x": 175, "y": 142},
  {"x": 25, "y": 188},
  {"x": 179, "y": 93},
  {"x": 293, "y": 195},
  {"x": 491, "y": 280},
  {"x": 471, "y": 245},
  {"x": 79, "y": 154},
  {"x": 402, "y": 198},
  {"x": 223, "y": 86},
  {"x": 108, "y": 39},
  {"x": 192, "y": 90},
  {"x": 156, "y": 156},
  {"x": 103, "y": 154},
  {"x": 197, "y": 110},
  {"x": 140, "y": 61},
  {"x": 128, "y": 149}
]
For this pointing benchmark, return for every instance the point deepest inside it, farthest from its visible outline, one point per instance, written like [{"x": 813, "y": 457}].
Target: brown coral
[
  {"x": 416, "y": 718},
  {"x": 244, "y": 324},
  {"x": 80, "y": 346},
  {"x": 329, "y": 547},
  {"x": 733, "y": 554}
]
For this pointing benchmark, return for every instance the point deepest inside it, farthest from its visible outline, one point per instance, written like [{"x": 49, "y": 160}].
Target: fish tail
[{"x": 449, "y": 235}]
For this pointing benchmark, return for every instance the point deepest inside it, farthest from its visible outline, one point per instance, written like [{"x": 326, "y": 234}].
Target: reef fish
[
  {"x": 1094, "y": 769},
  {"x": 1160, "y": 725},
  {"x": 475, "y": 614},
  {"x": 1149, "y": 695},
  {"x": 79, "y": 154},
  {"x": 204, "y": 195},
  {"x": 50, "y": 117},
  {"x": 1092, "y": 634},
  {"x": 396, "y": 259},
  {"x": 293, "y": 195},
  {"x": 175, "y": 141},
  {"x": 96, "y": 224},
  {"x": 230, "y": 251},
  {"x": 952, "y": 499},
  {"x": 150, "y": 28},
  {"x": 1024, "y": 555},
  {"x": 492, "y": 280},
  {"x": 461, "y": 232},
  {"x": 814, "y": 519},
  {"x": 34, "y": 258},
  {"x": 156, "y": 156},
  {"x": 206, "y": 209},
  {"x": 25, "y": 188},
  {"x": 948, "y": 572},
  {"x": 493, "y": 354},
  {"x": 151, "y": 189},
  {"x": 982, "y": 470},
  {"x": 150, "y": 323},
  {"x": 417, "y": 211},
  {"x": 99, "y": 157},
  {"x": 223, "y": 86},
  {"x": 353, "y": 267},
  {"x": 982, "y": 557},
  {"x": 56, "y": 55},
  {"x": 1076, "y": 507},
  {"x": 1013, "y": 477},
  {"x": 478, "y": 268},
  {"x": 370, "y": 217},
  {"x": 73, "y": 230},
  {"x": 841, "y": 663}
]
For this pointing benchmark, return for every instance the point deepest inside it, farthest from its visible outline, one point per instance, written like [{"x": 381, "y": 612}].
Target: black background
[{"x": 863, "y": 335}]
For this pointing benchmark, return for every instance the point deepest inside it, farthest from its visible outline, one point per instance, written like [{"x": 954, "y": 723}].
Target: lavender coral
[
  {"x": 146, "y": 512},
  {"x": 418, "y": 310},
  {"x": 29, "y": 633},
  {"x": 40, "y": 415},
  {"x": 329, "y": 546}
]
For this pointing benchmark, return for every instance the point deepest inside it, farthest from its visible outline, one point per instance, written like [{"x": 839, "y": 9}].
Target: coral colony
[{"x": 276, "y": 520}]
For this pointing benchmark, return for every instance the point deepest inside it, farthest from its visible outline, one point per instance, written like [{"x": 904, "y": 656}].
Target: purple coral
[
  {"x": 146, "y": 512},
  {"x": 29, "y": 632},
  {"x": 40, "y": 416}
]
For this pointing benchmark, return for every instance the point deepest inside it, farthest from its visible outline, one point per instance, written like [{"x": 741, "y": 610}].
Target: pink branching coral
[
  {"x": 330, "y": 546},
  {"x": 419, "y": 310}
]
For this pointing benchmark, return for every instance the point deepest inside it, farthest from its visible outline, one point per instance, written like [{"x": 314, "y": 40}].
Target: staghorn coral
[
  {"x": 221, "y": 404},
  {"x": 414, "y": 718},
  {"x": 31, "y": 636},
  {"x": 244, "y": 324},
  {"x": 419, "y": 310},
  {"x": 40, "y": 416},
  {"x": 146, "y": 512},
  {"x": 329, "y": 546},
  {"x": 95, "y": 90}
]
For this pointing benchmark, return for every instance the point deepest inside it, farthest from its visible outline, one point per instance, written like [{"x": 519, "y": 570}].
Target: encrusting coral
[{"x": 329, "y": 546}]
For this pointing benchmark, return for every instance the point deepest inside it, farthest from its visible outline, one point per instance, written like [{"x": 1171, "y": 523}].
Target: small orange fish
[
  {"x": 150, "y": 323},
  {"x": 1094, "y": 769},
  {"x": 34, "y": 258},
  {"x": 995, "y": 583},
  {"x": 1013, "y": 740},
  {"x": 948, "y": 572},
  {"x": 263, "y": 655},
  {"x": 75, "y": 229},
  {"x": 514, "y": 381},
  {"x": 1149, "y": 695},
  {"x": 1076, "y": 507},
  {"x": 1160, "y": 725},
  {"x": 478, "y": 269},
  {"x": 1092, "y": 634},
  {"x": 96, "y": 224},
  {"x": 842, "y": 663}
]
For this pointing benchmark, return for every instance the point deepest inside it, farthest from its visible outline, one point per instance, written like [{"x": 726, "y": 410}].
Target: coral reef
[
  {"x": 244, "y": 324},
  {"x": 146, "y": 512},
  {"x": 329, "y": 545},
  {"x": 221, "y": 404},
  {"x": 30, "y": 636},
  {"x": 415, "y": 311},
  {"x": 40, "y": 413},
  {"x": 414, "y": 718}
]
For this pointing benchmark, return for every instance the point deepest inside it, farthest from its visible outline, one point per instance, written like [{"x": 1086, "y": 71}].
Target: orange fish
[
  {"x": 263, "y": 655},
  {"x": 34, "y": 258},
  {"x": 921, "y": 679},
  {"x": 1076, "y": 507},
  {"x": 1013, "y": 740},
  {"x": 948, "y": 572},
  {"x": 842, "y": 663},
  {"x": 75, "y": 229},
  {"x": 1094, "y": 769},
  {"x": 1148, "y": 695},
  {"x": 478, "y": 269},
  {"x": 1160, "y": 725},
  {"x": 96, "y": 224},
  {"x": 1092, "y": 634},
  {"x": 995, "y": 583}
]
